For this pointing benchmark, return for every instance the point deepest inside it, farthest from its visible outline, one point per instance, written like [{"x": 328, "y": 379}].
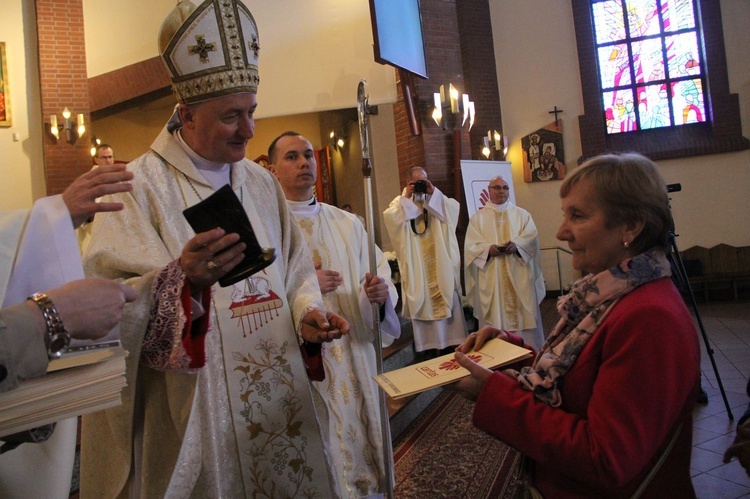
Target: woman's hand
[
  {"x": 319, "y": 326},
  {"x": 475, "y": 341},
  {"x": 471, "y": 386}
]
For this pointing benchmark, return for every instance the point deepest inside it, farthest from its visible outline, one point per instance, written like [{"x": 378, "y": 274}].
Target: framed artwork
[
  {"x": 544, "y": 157},
  {"x": 4, "y": 89}
]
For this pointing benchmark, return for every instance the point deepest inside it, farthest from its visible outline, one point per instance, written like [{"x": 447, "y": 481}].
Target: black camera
[{"x": 420, "y": 187}]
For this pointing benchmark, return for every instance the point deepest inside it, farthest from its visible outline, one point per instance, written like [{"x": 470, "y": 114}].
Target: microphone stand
[{"x": 363, "y": 112}]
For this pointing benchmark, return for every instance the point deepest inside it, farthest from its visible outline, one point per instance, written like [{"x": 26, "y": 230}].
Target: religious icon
[
  {"x": 4, "y": 89},
  {"x": 544, "y": 157}
]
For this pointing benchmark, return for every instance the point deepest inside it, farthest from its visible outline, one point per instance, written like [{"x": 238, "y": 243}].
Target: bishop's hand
[
  {"x": 209, "y": 256},
  {"x": 319, "y": 326}
]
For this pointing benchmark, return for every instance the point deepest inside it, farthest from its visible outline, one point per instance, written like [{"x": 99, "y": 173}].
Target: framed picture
[{"x": 4, "y": 88}]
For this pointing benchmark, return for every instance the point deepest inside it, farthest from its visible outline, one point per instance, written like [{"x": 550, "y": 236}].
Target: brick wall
[
  {"x": 64, "y": 83},
  {"x": 459, "y": 50}
]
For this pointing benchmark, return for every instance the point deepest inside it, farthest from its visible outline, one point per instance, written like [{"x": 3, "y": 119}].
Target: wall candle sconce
[
  {"x": 71, "y": 134},
  {"x": 456, "y": 102},
  {"x": 494, "y": 140},
  {"x": 338, "y": 139},
  {"x": 94, "y": 144}
]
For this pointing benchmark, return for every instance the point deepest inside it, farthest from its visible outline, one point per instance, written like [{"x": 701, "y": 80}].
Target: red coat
[{"x": 635, "y": 381}]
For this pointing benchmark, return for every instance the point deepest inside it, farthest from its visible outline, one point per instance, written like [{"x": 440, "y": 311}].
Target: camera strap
[{"x": 414, "y": 223}]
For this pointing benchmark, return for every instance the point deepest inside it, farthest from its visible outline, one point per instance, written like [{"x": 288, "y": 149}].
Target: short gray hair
[{"x": 629, "y": 188}]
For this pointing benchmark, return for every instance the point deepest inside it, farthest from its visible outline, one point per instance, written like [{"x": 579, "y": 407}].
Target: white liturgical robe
[
  {"x": 244, "y": 424},
  {"x": 39, "y": 252},
  {"x": 505, "y": 290},
  {"x": 349, "y": 398},
  {"x": 430, "y": 265}
]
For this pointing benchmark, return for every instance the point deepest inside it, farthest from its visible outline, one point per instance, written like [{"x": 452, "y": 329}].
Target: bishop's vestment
[{"x": 242, "y": 422}]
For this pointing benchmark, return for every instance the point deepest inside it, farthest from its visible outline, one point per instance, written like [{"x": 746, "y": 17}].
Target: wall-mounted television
[{"x": 397, "y": 33}]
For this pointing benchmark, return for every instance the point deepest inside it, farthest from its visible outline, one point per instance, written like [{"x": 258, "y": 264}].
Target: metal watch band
[{"x": 57, "y": 339}]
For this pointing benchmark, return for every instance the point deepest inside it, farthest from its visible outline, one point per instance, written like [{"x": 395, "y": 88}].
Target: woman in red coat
[{"x": 605, "y": 409}]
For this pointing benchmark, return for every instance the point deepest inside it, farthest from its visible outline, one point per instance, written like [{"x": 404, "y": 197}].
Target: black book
[{"x": 223, "y": 209}]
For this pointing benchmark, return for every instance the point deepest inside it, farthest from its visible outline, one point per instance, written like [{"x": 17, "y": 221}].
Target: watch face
[{"x": 58, "y": 344}]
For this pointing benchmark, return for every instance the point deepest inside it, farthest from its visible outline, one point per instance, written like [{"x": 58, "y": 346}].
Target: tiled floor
[{"x": 727, "y": 326}]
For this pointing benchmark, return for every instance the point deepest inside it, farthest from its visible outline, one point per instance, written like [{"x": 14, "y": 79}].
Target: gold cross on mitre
[
  {"x": 202, "y": 48},
  {"x": 254, "y": 46}
]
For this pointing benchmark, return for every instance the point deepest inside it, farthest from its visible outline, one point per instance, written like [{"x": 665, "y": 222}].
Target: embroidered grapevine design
[{"x": 278, "y": 447}]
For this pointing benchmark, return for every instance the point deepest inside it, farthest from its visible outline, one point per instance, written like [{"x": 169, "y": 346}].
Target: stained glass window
[{"x": 650, "y": 64}]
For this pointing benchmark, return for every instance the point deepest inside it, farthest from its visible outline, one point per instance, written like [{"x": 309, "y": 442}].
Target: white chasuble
[
  {"x": 243, "y": 425},
  {"x": 253, "y": 361},
  {"x": 428, "y": 257},
  {"x": 505, "y": 290},
  {"x": 348, "y": 393},
  {"x": 430, "y": 264}
]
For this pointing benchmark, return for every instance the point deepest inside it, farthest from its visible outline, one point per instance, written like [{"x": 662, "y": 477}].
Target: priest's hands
[
  {"x": 506, "y": 249},
  {"x": 471, "y": 386},
  {"x": 430, "y": 189},
  {"x": 81, "y": 195},
  {"x": 210, "y": 255},
  {"x": 319, "y": 326},
  {"x": 328, "y": 280},
  {"x": 475, "y": 341},
  {"x": 376, "y": 289},
  {"x": 510, "y": 248}
]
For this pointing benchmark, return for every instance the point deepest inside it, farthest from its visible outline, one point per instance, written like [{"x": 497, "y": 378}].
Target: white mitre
[{"x": 210, "y": 50}]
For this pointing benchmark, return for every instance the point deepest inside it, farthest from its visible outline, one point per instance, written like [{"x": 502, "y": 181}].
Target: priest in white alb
[
  {"x": 503, "y": 266},
  {"x": 421, "y": 223},
  {"x": 348, "y": 399}
]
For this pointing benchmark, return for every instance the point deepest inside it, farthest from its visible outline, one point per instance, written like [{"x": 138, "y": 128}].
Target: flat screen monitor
[{"x": 397, "y": 32}]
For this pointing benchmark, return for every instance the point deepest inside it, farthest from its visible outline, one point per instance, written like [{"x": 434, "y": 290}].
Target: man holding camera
[
  {"x": 503, "y": 266},
  {"x": 421, "y": 223}
]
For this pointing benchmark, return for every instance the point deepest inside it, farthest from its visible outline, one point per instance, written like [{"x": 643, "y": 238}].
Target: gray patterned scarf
[{"x": 581, "y": 312}]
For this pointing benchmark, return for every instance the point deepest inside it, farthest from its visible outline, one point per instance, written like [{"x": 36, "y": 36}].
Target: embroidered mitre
[{"x": 210, "y": 50}]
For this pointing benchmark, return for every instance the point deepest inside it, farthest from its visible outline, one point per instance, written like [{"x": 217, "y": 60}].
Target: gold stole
[
  {"x": 427, "y": 243},
  {"x": 511, "y": 308}
]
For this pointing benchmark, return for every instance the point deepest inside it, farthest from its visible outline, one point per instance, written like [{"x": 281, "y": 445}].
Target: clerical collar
[
  {"x": 217, "y": 174},
  {"x": 498, "y": 207},
  {"x": 304, "y": 209}
]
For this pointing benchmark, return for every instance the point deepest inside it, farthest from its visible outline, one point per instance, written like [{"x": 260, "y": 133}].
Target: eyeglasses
[{"x": 501, "y": 187}]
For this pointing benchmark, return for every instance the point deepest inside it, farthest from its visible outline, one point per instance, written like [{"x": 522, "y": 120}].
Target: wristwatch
[{"x": 58, "y": 338}]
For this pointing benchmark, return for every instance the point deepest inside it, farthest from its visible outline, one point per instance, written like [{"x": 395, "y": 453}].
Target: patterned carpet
[{"x": 441, "y": 455}]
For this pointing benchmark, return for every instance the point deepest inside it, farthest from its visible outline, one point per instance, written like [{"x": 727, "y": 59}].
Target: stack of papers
[
  {"x": 75, "y": 384},
  {"x": 440, "y": 371}
]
